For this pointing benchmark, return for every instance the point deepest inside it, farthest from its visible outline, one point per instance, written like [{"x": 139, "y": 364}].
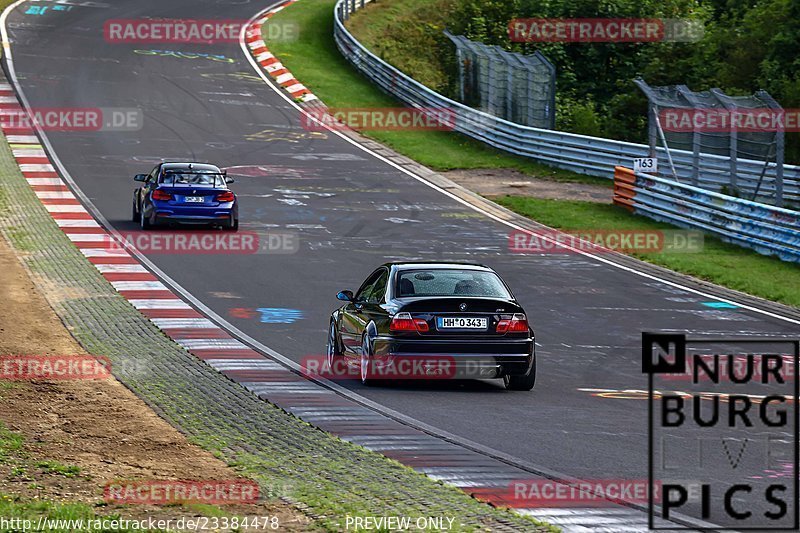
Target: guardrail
[
  {"x": 766, "y": 229},
  {"x": 579, "y": 153}
]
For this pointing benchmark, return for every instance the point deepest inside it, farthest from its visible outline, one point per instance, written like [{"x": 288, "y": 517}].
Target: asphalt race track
[{"x": 352, "y": 212}]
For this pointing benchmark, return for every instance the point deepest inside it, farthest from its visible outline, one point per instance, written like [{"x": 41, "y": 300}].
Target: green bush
[{"x": 578, "y": 117}]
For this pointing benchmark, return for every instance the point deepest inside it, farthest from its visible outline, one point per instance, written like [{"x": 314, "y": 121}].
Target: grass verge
[
  {"x": 407, "y": 34},
  {"x": 314, "y": 59},
  {"x": 719, "y": 262},
  {"x": 22, "y": 514},
  {"x": 57, "y": 517}
]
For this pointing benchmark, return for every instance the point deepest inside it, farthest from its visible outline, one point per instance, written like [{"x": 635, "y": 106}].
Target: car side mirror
[
  {"x": 229, "y": 180},
  {"x": 345, "y": 296},
  {"x": 140, "y": 177}
]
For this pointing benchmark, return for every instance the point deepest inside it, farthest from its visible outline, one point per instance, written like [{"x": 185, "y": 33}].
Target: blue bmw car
[{"x": 185, "y": 193}]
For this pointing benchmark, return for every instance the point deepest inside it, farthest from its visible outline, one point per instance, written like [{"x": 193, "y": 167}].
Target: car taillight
[
  {"x": 225, "y": 197},
  {"x": 404, "y": 322},
  {"x": 517, "y": 324},
  {"x": 161, "y": 195}
]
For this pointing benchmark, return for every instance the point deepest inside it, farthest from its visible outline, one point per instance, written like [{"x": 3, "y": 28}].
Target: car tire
[
  {"x": 521, "y": 383},
  {"x": 134, "y": 212},
  {"x": 333, "y": 350},
  {"x": 367, "y": 370},
  {"x": 232, "y": 225},
  {"x": 145, "y": 222}
]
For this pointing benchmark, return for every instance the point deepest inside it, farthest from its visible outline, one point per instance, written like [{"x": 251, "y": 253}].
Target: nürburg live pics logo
[{"x": 724, "y": 448}]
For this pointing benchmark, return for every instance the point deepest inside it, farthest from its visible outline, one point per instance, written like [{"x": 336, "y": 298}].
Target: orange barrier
[{"x": 624, "y": 188}]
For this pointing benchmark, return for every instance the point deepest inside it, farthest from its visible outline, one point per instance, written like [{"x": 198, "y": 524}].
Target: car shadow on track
[{"x": 434, "y": 385}]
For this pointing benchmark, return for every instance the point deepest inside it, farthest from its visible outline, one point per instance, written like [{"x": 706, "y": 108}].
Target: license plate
[
  {"x": 195, "y": 199},
  {"x": 462, "y": 323}
]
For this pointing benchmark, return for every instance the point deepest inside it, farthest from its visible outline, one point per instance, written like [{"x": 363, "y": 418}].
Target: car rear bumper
[
  {"x": 193, "y": 215},
  {"x": 184, "y": 219},
  {"x": 426, "y": 359}
]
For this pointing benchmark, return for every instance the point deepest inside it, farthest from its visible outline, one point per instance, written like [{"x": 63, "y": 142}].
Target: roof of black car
[{"x": 435, "y": 265}]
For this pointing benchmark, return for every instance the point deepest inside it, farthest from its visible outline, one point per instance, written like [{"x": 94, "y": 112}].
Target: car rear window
[
  {"x": 192, "y": 178},
  {"x": 450, "y": 282}
]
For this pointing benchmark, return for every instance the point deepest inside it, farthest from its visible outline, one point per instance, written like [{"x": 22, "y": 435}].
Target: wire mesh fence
[
  {"x": 712, "y": 122},
  {"x": 516, "y": 87}
]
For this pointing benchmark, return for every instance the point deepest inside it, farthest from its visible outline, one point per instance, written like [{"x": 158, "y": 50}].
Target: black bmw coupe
[{"x": 433, "y": 321}]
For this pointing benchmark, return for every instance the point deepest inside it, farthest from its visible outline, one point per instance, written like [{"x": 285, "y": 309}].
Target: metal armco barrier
[
  {"x": 579, "y": 153},
  {"x": 766, "y": 229}
]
